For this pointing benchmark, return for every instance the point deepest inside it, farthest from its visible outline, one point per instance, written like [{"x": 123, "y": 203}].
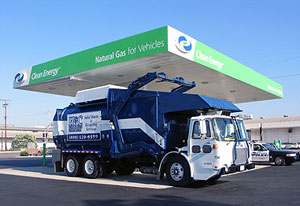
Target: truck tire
[
  {"x": 73, "y": 166},
  {"x": 279, "y": 161},
  {"x": 92, "y": 167},
  {"x": 178, "y": 172}
]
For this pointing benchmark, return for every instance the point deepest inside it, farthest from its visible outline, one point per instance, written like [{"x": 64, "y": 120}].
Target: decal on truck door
[{"x": 84, "y": 126}]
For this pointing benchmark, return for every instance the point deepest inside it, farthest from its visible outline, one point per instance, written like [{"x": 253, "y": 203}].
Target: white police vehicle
[{"x": 263, "y": 152}]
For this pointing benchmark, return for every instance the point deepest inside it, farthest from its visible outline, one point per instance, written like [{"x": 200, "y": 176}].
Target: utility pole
[
  {"x": 5, "y": 104},
  {"x": 1, "y": 140},
  {"x": 260, "y": 131}
]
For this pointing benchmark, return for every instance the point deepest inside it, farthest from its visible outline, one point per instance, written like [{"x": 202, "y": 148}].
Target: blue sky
[{"x": 263, "y": 35}]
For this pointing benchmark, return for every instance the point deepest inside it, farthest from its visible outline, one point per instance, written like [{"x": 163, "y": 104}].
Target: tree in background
[{"x": 21, "y": 141}]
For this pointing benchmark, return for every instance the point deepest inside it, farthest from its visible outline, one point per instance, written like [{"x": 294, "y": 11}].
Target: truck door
[
  {"x": 201, "y": 134},
  {"x": 200, "y": 147},
  {"x": 260, "y": 153}
]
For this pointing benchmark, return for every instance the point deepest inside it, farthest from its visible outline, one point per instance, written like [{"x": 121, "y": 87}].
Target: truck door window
[
  {"x": 242, "y": 129},
  {"x": 208, "y": 133},
  {"x": 197, "y": 130}
]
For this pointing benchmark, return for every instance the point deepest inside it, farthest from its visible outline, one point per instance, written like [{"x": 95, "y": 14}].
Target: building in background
[
  {"x": 286, "y": 129},
  {"x": 40, "y": 133}
]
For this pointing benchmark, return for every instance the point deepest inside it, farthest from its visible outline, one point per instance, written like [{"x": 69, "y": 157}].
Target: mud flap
[
  {"x": 57, "y": 160},
  {"x": 57, "y": 167}
]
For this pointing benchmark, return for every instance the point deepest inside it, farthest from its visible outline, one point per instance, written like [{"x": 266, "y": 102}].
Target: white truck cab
[
  {"x": 216, "y": 136},
  {"x": 217, "y": 144}
]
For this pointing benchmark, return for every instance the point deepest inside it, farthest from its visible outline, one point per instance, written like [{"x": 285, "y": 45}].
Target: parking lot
[{"x": 30, "y": 183}]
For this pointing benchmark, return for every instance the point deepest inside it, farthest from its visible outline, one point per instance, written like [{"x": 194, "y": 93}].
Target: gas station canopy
[{"x": 161, "y": 50}]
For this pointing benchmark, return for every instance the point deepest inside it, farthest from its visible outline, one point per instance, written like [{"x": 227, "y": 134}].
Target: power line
[
  {"x": 285, "y": 60},
  {"x": 284, "y": 76}
]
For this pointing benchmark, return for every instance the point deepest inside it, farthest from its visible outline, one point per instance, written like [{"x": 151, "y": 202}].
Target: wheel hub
[
  {"x": 71, "y": 165},
  {"x": 89, "y": 167},
  {"x": 176, "y": 171}
]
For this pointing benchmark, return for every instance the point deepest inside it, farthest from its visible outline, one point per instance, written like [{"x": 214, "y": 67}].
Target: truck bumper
[{"x": 238, "y": 168}]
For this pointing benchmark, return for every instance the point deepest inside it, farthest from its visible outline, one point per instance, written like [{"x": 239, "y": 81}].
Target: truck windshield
[
  {"x": 242, "y": 129},
  {"x": 224, "y": 129}
]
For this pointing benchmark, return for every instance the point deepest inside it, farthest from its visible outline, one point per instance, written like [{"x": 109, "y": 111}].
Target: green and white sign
[
  {"x": 186, "y": 46},
  {"x": 161, "y": 40},
  {"x": 141, "y": 45}
]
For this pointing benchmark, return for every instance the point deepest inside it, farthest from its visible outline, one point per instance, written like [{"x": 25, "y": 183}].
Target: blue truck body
[{"x": 166, "y": 113}]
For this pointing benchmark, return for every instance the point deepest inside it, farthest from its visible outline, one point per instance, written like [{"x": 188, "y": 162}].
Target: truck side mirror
[
  {"x": 230, "y": 132},
  {"x": 203, "y": 128},
  {"x": 231, "y": 129}
]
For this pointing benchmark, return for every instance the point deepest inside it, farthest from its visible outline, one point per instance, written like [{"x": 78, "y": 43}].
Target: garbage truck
[{"x": 178, "y": 136}]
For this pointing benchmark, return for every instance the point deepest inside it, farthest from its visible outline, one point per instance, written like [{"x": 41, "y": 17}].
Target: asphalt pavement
[
  {"x": 12, "y": 159},
  {"x": 31, "y": 185}
]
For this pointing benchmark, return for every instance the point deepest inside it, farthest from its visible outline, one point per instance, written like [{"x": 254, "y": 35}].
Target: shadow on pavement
[
  {"x": 201, "y": 184},
  {"x": 137, "y": 177},
  {"x": 154, "y": 200}
]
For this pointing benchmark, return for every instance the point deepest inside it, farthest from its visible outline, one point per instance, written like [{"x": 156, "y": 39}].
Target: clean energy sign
[
  {"x": 141, "y": 45},
  {"x": 187, "y": 47},
  {"x": 164, "y": 39}
]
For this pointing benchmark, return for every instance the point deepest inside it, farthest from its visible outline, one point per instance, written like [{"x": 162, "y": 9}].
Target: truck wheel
[
  {"x": 178, "y": 172},
  {"x": 279, "y": 161},
  {"x": 73, "y": 165},
  {"x": 92, "y": 168}
]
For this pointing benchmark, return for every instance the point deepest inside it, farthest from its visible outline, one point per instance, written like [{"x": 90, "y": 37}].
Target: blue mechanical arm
[{"x": 137, "y": 84}]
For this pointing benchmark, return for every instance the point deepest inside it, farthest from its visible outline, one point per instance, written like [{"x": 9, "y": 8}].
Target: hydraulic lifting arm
[{"x": 137, "y": 84}]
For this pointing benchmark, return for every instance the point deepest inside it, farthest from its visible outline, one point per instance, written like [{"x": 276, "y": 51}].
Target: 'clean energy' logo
[
  {"x": 20, "y": 78},
  {"x": 183, "y": 44}
]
